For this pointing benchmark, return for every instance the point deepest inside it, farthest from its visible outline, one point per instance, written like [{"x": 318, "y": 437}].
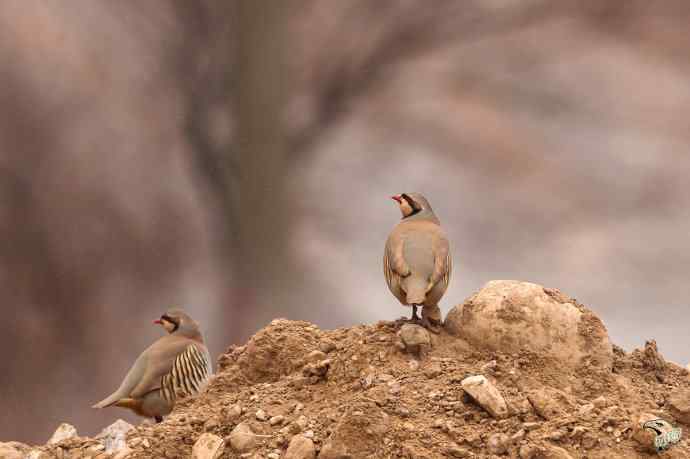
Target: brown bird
[
  {"x": 175, "y": 365},
  {"x": 417, "y": 261}
]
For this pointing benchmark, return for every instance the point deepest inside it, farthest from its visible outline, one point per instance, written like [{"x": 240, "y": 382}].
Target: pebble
[
  {"x": 300, "y": 448},
  {"x": 276, "y": 420},
  {"x": 208, "y": 446},
  {"x": 261, "y": 415},
  {"x": 486, "y": 394},
  {"x": 242, "y": 438},
  {"x": 498, "y": 443}
]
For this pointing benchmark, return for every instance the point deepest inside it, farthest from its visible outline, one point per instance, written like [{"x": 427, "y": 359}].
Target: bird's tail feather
[
  {"x": 415, "y": 289},
  {"x": 108, "y": 401}
]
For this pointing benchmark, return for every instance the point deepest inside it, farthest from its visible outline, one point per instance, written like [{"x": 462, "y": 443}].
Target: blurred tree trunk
[{"x": 262, "y": 219}]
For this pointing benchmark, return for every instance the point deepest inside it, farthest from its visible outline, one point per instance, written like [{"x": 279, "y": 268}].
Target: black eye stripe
[{"x": 172, "y": 321}]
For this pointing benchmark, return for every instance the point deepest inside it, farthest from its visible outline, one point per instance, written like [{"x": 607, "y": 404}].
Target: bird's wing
[
  {"x": 443, "y": 262},
  {"x": 189, "y": 373},
  {"x": 161, "y": 357},
  {"x": 393, "y": 258}
]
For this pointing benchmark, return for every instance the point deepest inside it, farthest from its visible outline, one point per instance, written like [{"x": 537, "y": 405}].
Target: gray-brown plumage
[
  {"x": 178, "y": 364},
  {"x": 417, "y": 261}
]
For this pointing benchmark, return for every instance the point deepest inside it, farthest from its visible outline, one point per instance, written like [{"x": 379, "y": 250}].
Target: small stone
[
  {"x": 529, "y": 426},
  {"x": 528, "y": 451},
  {"x": 498, "y": 443},
  {"x": 486, "y": 395},
  {"x": 433, "y": 370},
  {"x": 63, "y": 432},
  {"x": 208, "y": 446},
  {"x": 261, "y": 415},
  {"x": 232, "y": 413},
  {"x": 414, "y": 337},
  {"x": 242, "y": 438},
  {"x": 300, "y": 448},
  {"x": 315, "y": 356},
  {"x": 456, "y": 451},
  {"x": 276, "y": 420},
  {"x": 413, "y": 364}
]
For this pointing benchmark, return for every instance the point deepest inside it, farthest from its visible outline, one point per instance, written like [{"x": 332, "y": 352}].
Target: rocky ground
[{"x": 544, "y": 383}]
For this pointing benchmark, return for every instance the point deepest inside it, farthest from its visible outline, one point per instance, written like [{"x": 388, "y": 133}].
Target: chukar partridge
[
  {"x": 177, "y": 364},
  {"x": 417, "y": 261}
]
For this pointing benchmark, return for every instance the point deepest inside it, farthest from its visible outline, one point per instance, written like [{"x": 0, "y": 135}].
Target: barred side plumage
[{"x": 189, "y": 374}]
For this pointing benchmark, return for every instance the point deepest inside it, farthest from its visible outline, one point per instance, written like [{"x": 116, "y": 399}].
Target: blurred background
[{"x": 236, "y": 159}]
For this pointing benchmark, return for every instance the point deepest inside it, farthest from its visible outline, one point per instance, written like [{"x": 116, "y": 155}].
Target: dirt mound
[{"x": 295, "y": 391}]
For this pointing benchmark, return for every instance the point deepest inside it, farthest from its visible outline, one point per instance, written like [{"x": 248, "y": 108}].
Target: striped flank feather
[{"x": 189, "y": 374}]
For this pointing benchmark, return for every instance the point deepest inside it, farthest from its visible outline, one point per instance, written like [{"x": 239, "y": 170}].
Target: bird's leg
[
  {"x": 415, "y": 317},
  {"x": 431, "y": 318},
  {"x": 159, "y": 419}
]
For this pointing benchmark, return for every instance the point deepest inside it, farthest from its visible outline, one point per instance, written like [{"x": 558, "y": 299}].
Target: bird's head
[
  {"x": 412, "y": 204},
  {"x": 178, "y": 322}
]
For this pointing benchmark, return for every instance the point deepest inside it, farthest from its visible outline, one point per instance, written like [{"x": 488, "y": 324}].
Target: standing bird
[
  {"x": 177, "y": 364},
  {"x": 417, "y": 261}
]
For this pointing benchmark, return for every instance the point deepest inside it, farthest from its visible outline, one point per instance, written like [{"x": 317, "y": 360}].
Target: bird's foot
[{"x": 430, "y": 325}]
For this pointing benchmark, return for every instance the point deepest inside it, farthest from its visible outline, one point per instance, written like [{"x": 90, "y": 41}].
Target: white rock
[
  {"x": 510, "y": 316},
  {"x": 300, "y": 448},
  {"x": 486, "y": 394},
  {"x": 114, "y": 437},
  {"x": 242, "y": 438},
  {"x": 208, "y": 446},
  {"x": 63, "y": 432}
]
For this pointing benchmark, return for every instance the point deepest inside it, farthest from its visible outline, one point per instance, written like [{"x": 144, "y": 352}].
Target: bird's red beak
[
  {"x": 158, "y": 322},
  {"x": 397, "y": 198}
]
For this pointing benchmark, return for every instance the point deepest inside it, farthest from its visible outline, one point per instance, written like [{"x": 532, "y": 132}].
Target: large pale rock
[
  {"x": 114, "y": 437},
  {"x": 208, "y": 446},
  {"x": 510, "y": 316},
  {"x": 63, "y": 432},
  {"x": 300, "y": 448},
  {"x": 242, "y": 438},
  {"x": 486, "y": 394}
]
